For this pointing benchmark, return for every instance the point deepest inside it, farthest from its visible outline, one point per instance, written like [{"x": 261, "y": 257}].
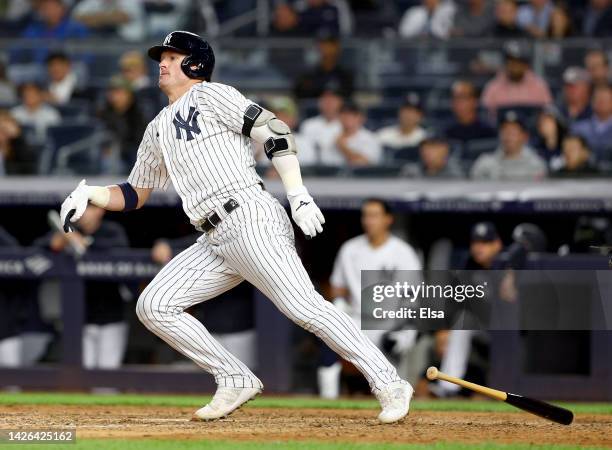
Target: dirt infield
[{"x": 267, "y": 424}]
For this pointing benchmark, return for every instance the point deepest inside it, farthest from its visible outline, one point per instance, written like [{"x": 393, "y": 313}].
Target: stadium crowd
[{"x": 515, "y": 125}]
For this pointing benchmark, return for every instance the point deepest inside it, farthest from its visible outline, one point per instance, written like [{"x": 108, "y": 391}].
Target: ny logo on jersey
[{"x": 190, "y": 125}]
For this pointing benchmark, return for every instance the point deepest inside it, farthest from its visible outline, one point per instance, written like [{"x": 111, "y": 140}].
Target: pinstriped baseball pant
[{"x": 254, "y": 243}]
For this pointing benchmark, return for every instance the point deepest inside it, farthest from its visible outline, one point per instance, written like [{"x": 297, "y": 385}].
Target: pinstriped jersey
[{"x": 197, "y": 143}]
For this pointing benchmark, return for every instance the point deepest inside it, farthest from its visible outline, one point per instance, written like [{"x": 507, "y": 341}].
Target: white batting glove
[
  {"x": 306, "y": 214},
  {"x": 74, "y": 206}
]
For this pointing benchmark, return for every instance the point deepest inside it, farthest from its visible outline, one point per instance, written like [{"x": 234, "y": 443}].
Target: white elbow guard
[{"x": 263, "y": 126}]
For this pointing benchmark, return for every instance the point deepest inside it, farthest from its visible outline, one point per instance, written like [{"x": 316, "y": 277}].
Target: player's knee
[{"x": 147, "y": 308}]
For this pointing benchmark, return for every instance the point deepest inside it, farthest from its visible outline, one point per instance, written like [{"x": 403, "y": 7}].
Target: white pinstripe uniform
[{"x": 196, "y": 142}]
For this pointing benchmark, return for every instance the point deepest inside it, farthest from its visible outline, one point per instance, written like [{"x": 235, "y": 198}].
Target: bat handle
[{"x": 434, "y": 374}]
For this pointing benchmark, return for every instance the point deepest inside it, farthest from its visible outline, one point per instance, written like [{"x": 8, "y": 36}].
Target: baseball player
[{"x": 202, "y": 143}]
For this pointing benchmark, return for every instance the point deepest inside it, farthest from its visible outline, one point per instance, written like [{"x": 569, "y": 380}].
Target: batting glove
[
  {"x": 306, "y": 214},
  {"x": 74, "y": 206}
]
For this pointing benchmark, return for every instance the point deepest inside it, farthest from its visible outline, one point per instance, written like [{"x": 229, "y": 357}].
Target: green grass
[
  {"x": 46, "y": 398},
  {"x": 111, "y": 444}
]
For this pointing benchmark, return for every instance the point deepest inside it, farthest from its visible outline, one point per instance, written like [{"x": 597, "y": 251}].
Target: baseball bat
[{"x": 533, "y": 406}]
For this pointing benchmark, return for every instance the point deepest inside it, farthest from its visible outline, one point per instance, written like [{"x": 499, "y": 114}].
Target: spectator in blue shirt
[
  {"x": 597, "y": 130},
  {"x": 53, "y": 22}
]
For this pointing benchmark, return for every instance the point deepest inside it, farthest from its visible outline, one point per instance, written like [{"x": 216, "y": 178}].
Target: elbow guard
[{"x": 263, "y": 126}]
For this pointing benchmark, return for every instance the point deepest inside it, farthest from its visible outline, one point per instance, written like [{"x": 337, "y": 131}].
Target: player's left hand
[
  {"x": 306, "y": 214},
  {"x": 74, "y": 206}
]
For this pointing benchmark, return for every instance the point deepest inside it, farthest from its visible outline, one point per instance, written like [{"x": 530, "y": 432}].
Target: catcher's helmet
[{"x": 200, "y": 60}]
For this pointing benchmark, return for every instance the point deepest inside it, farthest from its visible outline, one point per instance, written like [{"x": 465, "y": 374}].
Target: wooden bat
[{"x": 537, "y": 407}]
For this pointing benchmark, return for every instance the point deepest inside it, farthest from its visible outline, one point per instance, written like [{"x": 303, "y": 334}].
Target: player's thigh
[
  {"x": 193, "y": 276},
  {"x": 265, "y": 255}
]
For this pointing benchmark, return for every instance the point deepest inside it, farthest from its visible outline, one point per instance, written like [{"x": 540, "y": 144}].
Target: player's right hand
[
  {"x": 74, "y": 206},
  {"x": 306, "y": 214}
]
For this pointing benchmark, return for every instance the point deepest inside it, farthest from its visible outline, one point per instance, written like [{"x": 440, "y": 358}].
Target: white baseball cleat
[
  {"x": 225, "y": 401},
  {"x": 395, "y": 401}
]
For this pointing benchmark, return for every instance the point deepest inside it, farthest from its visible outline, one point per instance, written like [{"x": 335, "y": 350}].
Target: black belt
[{"x": 213, "y": 220}]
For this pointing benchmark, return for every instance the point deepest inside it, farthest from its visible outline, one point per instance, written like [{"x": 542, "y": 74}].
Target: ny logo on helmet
[{"x": 190, "y": 125}]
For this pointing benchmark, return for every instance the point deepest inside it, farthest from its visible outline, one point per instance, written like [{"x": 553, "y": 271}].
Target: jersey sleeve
[
  {"x": 149, "y": 171},
  {"x": 225, "y": 102}
]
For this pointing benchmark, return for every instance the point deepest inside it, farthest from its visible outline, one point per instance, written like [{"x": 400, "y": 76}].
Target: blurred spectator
[
  {"x": 597, "y": 130},
  {"x": 105, "y": 330},
  {"x": 310, "y": 17},
  {"x": 134, "y": 70},
  {"x": 8, "y": 92},
  {"x": 164, "y": 15},
  {"x": 408, "y": 132},
  {"x": 14, "y": 16},
  {"x": 53, "y": 23},
  {"x": 506, "y": 21},
  {"x": 62, "y": 79},
  {"x": 285, "y": 20},
  {"x": 550, "y": 131},
  {"x": 322, "y": 130},
  {"x": 355, "y": 146},
  {"x": 474, "y": 19},
  {"x": 577, "y": 161},
  {"x": 435, "y": 161},
  {"x": 16, "y": 157},
  {"x": 123, "y": 118},
  {"x": 34, "y": 112},
  {"x": 534, "y": 17},
  {"x": 320, "y": 16},
  {"x": 597, "y": 20},
  {"x": 485, "y": 246},
  {"x": 123, "y": 18},
  {"x": 513, "y": 159},
  {"x": 466, "y": 124},
  {"x": 327, "y": 74},
  {"x": 517, "y": 84},
  {"x": 576, "y": 94},
  {"x": 560, "y": 25},
  {"x": 597, "y": 64},
  {"x": 433, "y": 18}
]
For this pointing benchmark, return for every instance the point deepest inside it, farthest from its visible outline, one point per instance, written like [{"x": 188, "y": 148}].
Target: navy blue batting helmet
[{"x": 200, "y": 60}]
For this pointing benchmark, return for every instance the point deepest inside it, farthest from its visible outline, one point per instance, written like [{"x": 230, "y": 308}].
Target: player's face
[
  {"x": 484, "y": 252},
  {"x": 374, "y": 219},
  {"x": 170, "y": 73}
]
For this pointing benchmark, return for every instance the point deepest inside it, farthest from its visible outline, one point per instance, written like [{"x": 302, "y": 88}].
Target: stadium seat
[
  {"x": 72, "y": 147},
  {"x": 375, "y": 171},
  {"x": 402, "y": 155},
  {"x": 76, "y": 110}
]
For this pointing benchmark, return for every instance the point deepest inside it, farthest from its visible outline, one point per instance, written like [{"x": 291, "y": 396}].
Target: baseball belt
[{"x": 213, "y": 220}]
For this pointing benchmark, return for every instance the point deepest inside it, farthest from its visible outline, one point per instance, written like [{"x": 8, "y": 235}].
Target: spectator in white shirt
[
  {"x": 34, "y": 112},
  {"x": 356, "y": 146},
  {"x": 408, "y": 132},
  {"x": 434, "y": 18},
  {"x": 322, "y": 130},
  {"x": 62, "y": 79}
]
